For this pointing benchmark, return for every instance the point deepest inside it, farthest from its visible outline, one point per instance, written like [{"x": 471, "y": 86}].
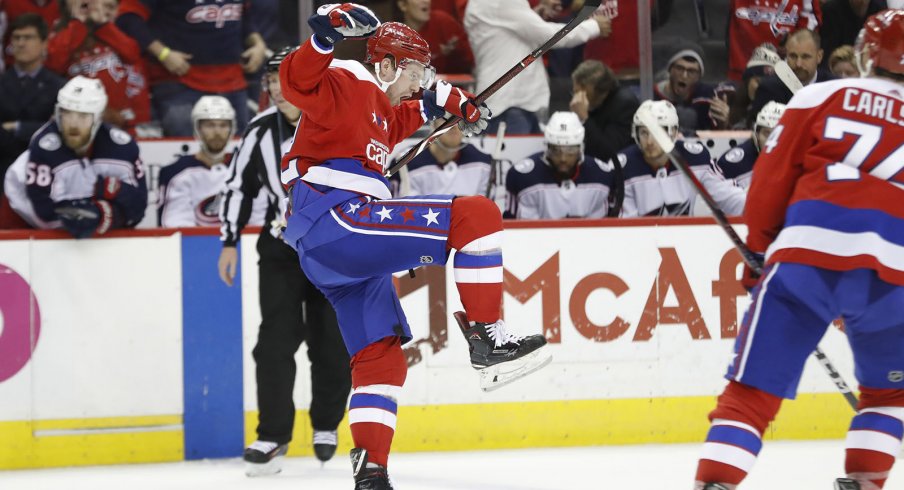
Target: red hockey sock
[
  {"x": 874, "y": 438},
  {"x": 378, "y": 373},
  {"x": 735, "y": 438},
  {"x": 476, "y": 234}
]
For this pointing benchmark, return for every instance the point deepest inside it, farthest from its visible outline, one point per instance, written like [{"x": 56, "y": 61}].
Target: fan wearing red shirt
[{"x": 450, "y": 51}]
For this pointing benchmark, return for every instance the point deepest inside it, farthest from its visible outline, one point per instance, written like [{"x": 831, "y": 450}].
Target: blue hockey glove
[
  {"x": 84, "y": 217},
  {"x": 336, "y": 21}
]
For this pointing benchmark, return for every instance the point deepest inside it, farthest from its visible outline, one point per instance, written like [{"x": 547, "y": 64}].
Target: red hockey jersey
[
  {"x": 754, "y": 22},
  {"x": 828, "y": 186},
  {"x": 346, "y": 116}
]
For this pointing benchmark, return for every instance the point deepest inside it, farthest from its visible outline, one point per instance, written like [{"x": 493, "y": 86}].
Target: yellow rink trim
[
  {"x": 576, "y": 423},
  {"x": 95, "y": 441},
  {"x": 75, "y": 442}
]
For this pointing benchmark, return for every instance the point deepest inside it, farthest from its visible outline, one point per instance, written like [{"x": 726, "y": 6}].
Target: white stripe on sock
[
  {"x": 873, "y": 441},
  {"x": 372, "y": 415},
  {"x": 728, "y": 454},
  {"x": 485, "y": 275}
]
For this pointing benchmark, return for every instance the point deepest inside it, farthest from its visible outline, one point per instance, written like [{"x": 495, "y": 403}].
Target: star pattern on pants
[
  {"x": 384, "y": 214},
  {"x": 431, "y": 216}
]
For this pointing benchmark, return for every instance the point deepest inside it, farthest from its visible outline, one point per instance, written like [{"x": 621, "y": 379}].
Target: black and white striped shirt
[{"x": 255, "y": 166}]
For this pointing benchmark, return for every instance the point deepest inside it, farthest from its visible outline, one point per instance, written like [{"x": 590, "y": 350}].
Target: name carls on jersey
[{"x": 874, "y": 105}]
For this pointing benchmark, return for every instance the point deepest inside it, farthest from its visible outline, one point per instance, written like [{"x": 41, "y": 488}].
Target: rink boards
[{"x": 133, "y": 351}]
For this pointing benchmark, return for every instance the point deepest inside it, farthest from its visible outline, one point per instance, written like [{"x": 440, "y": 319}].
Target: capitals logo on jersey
[{"x": 218, "y": 15}]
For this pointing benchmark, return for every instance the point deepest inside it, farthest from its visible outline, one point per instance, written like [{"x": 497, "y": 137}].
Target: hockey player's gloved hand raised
[
  {"x": 336, "y": 21},
  {"x": 85, "y": 217},
  {"x": 446, "y": 98},
  {"x": 749, "y": 277}
]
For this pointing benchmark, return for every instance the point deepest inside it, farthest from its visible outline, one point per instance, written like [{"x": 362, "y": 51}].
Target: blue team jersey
[{"x": 536, "y": 192}]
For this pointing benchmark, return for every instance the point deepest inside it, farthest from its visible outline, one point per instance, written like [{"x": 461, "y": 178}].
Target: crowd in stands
[{"x": 194, "y": 68}]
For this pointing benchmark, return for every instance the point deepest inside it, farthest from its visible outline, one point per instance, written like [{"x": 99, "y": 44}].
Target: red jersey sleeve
[
  {"x": 408, "y": 117},
  {"x": 775, "y": 177},
  {"x": 126, "y": 47},
  {"x": 309, "y": 84},
  {"x": 62, "y": 46}
]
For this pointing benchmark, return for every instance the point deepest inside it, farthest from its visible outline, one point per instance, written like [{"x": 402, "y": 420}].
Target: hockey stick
[
  {"x": 589, "y": 7},
  {"x": 752, "y": 261},
  {"x": 496, "y": 169},
  {"x": 787, "y": 76}
]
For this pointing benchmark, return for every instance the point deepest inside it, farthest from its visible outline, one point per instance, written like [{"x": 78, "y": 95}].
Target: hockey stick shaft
[
  {"x": 752, "y": 261},
  {"x": 589, "y": 7},
  {"x": 496, "y": 169}
]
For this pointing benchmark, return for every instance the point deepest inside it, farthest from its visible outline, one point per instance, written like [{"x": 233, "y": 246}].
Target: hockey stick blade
[
  {"x": 787, "y": 76},
  {"x": 752, "y": 261},
  {"x": 589, "y": 7}
]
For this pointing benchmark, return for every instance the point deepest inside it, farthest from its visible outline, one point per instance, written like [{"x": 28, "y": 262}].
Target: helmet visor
[{"x": 418, "y": 72}]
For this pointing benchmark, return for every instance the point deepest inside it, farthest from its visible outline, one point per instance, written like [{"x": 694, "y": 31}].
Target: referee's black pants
[{"x": 293, "y": 311}]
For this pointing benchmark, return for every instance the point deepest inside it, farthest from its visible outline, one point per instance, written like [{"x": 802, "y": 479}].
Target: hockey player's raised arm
[
  {"x": 526, "y": 24},
  {"x": 775, "y": 176},
  {"x": 307, "y": 82}
]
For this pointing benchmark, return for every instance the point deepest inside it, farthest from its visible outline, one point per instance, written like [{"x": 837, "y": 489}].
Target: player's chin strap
[{"x": 385, "y": 85}]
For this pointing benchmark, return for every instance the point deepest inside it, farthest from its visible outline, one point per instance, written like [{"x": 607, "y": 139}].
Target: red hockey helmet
[
  {"x": 881, "y": 42},
  {"x": 399, "y": 40}
]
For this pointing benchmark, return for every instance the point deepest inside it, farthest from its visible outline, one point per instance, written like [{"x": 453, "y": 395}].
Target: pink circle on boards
[{"x": 18, "y": 306}]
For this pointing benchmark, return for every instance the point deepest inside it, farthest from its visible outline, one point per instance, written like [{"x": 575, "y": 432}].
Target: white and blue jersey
[
  {"x": 50, "y": 173},
  {"x": 465, "y": 175},
  {"x": 666, "y": 191},
  {"x": 737, "y": 163},
  {"x": 534, "y": 191}
]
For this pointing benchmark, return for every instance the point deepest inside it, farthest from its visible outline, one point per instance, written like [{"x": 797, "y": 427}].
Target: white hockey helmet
[
  {"x": 83, "y": 94},
  {"x": 212, "y": 108},
  {"x": 767, "y": 118},
  {"x": 664, "y": 113},
  {"x": 564, "y": 129}
]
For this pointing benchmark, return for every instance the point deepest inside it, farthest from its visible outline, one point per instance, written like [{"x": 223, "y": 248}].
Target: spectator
[
  {"x": 619, "y": 50},
  {"x": 842, "y": 63},
  {"x": 604, "y": 107},
  {"x": 189, "y": 186},
  {"x": 292, "y": 309},
  {"x": 81, "y": 174},
  {"x": 754, "y": 22},
  {"x": 502, "y": 32},
  {"x": 29, "y": 89},
  {"x": 455, "y": 8},
  {"x": 195, "y": 47},
  {"x": 88, "y": 43},
  {"x": 803, "y": 56},
  {"x": 449, "y": 48},
  {"x": 449, "y": 166},
  {"x": 842, "y": 21},
  {"x": 563, "y": 181},
  {"x": 760, "y": 65},
  {"x": 737, "y": 163},
  {"x": 13, "y": 9},
  {"x": 653, "y": 187},
  {"x": 695, "y": 101}
]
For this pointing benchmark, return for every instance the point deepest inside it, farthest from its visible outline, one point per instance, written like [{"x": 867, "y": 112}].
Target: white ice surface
[{"x": 781, "y": 466}]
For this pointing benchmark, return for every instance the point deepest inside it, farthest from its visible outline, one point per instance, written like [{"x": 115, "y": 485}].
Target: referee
[{"x": 292, "y": 309}]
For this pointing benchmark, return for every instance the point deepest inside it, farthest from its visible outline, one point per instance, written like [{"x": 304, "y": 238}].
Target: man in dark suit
[
  {"x": 803, "y": 55},
  {"x": 29, "y": 90}
]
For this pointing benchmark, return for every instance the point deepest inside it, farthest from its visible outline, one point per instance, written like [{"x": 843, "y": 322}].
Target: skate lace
[
  {"x": 500, "y": 335},
  {"x": 263, "y": 446},
  {"x": 325, "y": 437}
]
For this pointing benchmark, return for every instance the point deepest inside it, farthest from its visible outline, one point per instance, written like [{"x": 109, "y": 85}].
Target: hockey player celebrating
[
  {"x": 563, "y": 181},
  {"x": 190, "y": 185},
  {"x": 737, "y": 163},
  {"x": 825, "y": 210},
  {"x": 351, "y": 237},
  {"x": 79, "y": 174},
  {"x": 654, "y": 187}
]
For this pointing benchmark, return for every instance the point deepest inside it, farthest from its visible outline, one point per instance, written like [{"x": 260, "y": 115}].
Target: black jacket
[
  {"x": 840, "y": 25},
  {"x": 608, "y": 127},
  {"x": 772, "y": 89},
  {"x": 28, "y": 101}
]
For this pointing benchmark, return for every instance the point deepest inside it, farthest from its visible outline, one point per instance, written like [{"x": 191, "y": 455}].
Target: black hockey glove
[{"x": 82, "y": 218}]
